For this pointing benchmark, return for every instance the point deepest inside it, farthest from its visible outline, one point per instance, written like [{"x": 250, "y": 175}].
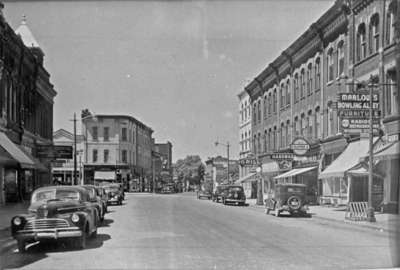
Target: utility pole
[
  {"x": 227, "y": 155},
  {"x": 370, "y": 213},
  {"x": 75, "y": 182}
]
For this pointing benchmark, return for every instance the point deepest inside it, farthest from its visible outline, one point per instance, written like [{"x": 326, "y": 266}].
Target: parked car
[
  {"x": 102, "y": 194},
  {"x": 96, "y": 201},
  {"x": 114, "y": 194},
  {"x": 287, "y": 197},
  {"x": 56, "y": 212},
  {"x": 233, "y": 194},
  {"x": 204, "y": 194},
  {"x": 217, "y": 195}
]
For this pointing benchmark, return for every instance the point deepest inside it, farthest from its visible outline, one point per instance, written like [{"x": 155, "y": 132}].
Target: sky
[{"x": 176, "y": 66}]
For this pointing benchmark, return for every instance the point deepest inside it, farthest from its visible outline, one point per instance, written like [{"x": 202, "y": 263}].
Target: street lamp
[
  {"x": 259, "y": 185},
  {"x": 227, "y": 154}
]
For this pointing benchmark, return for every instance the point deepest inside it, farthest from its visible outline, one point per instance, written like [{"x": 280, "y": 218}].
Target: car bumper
[
  {"x": 230, "y": 200},
  {"x": 41, "y": 234},
  {"x": 301, "y": 209}
]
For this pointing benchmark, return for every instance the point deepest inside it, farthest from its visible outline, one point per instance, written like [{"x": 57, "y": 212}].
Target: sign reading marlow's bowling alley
[{"x": 300, "y": 146}]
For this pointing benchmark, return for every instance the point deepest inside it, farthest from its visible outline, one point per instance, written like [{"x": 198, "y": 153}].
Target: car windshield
[
  {"x": 295, "y": 189},
  {"x": 235, "y": 189},
  {"x": 54, "y": 194}
]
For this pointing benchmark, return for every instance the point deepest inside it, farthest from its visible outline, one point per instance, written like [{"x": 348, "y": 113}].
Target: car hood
[{"x": 51, "y": 208}]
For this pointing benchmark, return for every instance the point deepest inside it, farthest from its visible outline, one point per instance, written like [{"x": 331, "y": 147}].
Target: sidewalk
[{"x": 384, "y": 222}]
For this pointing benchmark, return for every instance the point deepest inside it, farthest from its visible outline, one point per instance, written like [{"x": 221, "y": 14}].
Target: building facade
[
  {"x": 26, "y": 113},
  {"x": 119, "y": 145},
  {"x": 294, "y": 101},
  {"x": 162, "y": 162}
]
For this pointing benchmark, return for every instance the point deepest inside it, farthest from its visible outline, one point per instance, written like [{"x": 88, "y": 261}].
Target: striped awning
[{"x": 15, "y": 152}]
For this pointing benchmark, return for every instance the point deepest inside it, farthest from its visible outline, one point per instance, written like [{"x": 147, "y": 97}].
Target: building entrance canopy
[
  {"x": 16, "y": 153},
  {"x": 104, "y": 175},
  {"x": 347, "y": 159},
  {"x": 295, "y": 172}
]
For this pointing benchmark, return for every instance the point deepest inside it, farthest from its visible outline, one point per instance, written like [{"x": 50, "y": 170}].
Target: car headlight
[
  {"x": 75, "y": 218},
  {"x": 17, "y": 221}
]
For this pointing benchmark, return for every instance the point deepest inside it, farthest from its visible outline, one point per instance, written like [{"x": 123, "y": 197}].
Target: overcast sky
[{"x": 177, "y": 66}]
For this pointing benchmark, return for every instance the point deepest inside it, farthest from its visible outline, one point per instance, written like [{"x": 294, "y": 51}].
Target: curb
[{"x": 345, "y": 222}]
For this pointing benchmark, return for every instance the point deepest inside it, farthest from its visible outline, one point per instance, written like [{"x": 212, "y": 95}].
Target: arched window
[
  {"x": 255, "y": 144},
  {"x": 282, "y": 90},
  {"x": 373, "y": 35},
  {"x": 265, "y": 106},
  {"x": 255, "y": 112},
  {"x": 317, "y": 120},
  {"x": 390, "y": 19},
  {"x": 269, "y": 140},
  {"x": 390, "y": 99},
  {"x": 296, "y": 87},
  {"x": 317, "y": 74},
  {"x": 283, "y": 138},
  {"x": 303, "y": 131},
  {"x": 361, "y": 42},
  {"x": 303, "y": 83},
  {"x": 265, "y": 141},
  {"x": 288, "y": 92},
  {"x": 330, "y": 65},
  {"x": 340, "y": 56},
  {"x": 309, "y": 79},
  {"x": 296, "y": 126},
  {"x": 259, "y": 148},
  {"x": 310, "y": 125},
  {"x": 274, "y": 102},
  {"x": 274, "y": 139},
  {"x": 287, "y": 133},
  {"x": 259, "y": 110},
  {"x": 269, "y": 103}
]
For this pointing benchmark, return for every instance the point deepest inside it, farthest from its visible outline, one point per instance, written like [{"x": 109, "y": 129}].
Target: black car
[
  {"x": 287, "y": 197},
  {"x": 57, "y": 213},
  {"x": 233, "y": 194},
  {"x": 114, "y": 194},
  {"x": 219, "y": 190}
]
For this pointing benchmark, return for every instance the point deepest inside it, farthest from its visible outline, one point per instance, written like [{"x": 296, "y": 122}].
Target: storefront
[{"x": 249, "y": 185}]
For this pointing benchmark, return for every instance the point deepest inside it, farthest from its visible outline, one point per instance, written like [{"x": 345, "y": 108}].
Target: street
[{"x": 177, "y": 231}]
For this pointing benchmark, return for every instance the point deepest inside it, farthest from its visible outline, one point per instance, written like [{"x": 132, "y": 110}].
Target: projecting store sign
[
  {"x": 357, "y": 101},
  {"x": 300, "y": 146}
]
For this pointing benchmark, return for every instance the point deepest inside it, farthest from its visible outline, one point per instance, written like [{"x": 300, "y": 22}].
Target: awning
[
  {"x": 104, "y": 175},
  {"x": 15, "y": 152},
  {"x": 391, "y": 152},
  {"x": 294, "y": 172},
  {"x": 37, "y": 164},
  {"x": 248, "y": 178},
  {"x": 361, "y": 171},
  {"x": 347, "y": 159}
]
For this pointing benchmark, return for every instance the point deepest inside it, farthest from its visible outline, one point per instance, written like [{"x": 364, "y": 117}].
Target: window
[
  {"x": 106, "y": 155},
  {"x": 330, "y": 65},
  {"x": 310, "y": 125},
  {"x": 106, "y": 134},
  {"x": 254, "y": 112},
  {"x": 265, "y": 141},
  {"x": 340, "y": 60},
  {"x": 259, "y": 148},
  {"x": 296, "y": 127},
  {"x": 390, "y": 94},
  {"x": 283, "y": 138},
  {"x": 94, "y": 155},
  {"x": 288, "y": 92},
  {"x": 274, "y": 146},
  {"x": 330, "y": 121},
  {"x": 269, "y": 104},
  {"x": 265, "y": 106},
  {"x": 361, "y": 42},
  {"x": 302, "y": 83},
  {"x": 124, "y": 134},
  {"x": 259, "y": 111},
  {"x": 296, "y": 88},
  {"x": 124, "y": 156},
  {"x": 373, "y": 37},
  {"x": 303, "y": 131},
  {"x": 309, "y": 79},
  {"x": 390, "y": 21},
  {"x": 269, "y": 140},
  {"x": 287, "y": 133},
  {"x": 255, "y": 144},
  {"x": 282, "y": 90},
  {"x": 317, "y": 74},
  {"x": 317, "y": 120},
  {"x": 274, "y": 102},
  {"x": 95, "y": 134}
]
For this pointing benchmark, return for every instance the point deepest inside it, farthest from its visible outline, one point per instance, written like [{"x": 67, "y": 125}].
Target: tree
[{"x": 187, "y": 169}]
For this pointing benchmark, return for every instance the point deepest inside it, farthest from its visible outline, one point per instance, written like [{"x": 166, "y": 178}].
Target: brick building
[{"x": 26, "y": 113}]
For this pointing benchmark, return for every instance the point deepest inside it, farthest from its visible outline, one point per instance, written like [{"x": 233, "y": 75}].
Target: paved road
[{"x": 178, "y": 231}]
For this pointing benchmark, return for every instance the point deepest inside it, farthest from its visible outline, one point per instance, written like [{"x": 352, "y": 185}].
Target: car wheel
[{"x": 21, "y": 246}]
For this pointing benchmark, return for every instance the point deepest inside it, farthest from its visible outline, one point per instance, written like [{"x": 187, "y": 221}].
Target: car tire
[{"x": 21, "y": 246}]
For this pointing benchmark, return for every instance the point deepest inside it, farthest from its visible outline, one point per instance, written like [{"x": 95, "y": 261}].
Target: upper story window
[
  {"x": 255, "y": 112},
  {"x": 296, "y": 126},
  {"x": 124, "y": 134},
  {"x": 309, "y": 79},
  {"x": 330, "y": 65},
  {"x": 390, "y": 20},
  {"x": 265, "y": 106},
  {"x": 303, "y": 123},
  {"x": 259, "y": 110},
  {"x": 282, "y": 90},
  {"x": 124, "y": 156},
  {"x": 317, "y": 69},
  {"x": 340, "y": 55},
  {"x": 269, "y": 104},
  {"x": 106, "y": 134},
  {"x": 287, "y": 133},
  {"x": 283, "y": 138},
  {"x": 296, "y": 88},
  {"x": 94, "y": 156},
  {"x": 274, "y": 102},
  {"x": 288, "y": 92},
  {"x": 95, "y": 134},
  {"x": 310, "y": 124},
  {"x": 317, "y": 120},
  {"x": 373, "y": 37},
  {"x": 302, "y": 83},
  {"x": 106, "y": 155},
  {"x": 361, "y": 42}
]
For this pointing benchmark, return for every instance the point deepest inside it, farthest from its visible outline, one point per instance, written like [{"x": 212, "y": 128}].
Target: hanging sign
[{"x": 300, "y": 146}]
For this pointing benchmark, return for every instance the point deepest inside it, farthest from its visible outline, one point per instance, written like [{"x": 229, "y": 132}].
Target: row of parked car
[
  {"x": 70, "y": 213},
  {"x": 285, "y": 197}
]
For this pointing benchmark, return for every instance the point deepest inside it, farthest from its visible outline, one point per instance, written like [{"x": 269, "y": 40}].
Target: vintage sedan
[
  {"x": 287, "y": 197},
  {"x": 56, "y": 213},
  {"x": 96, "y": 201},
  {"x": 233, "y": 195},
  {"x": 114, "y": 194},
  {"x": 219, "y": 190},
  {"x": 102, "y": 194}
]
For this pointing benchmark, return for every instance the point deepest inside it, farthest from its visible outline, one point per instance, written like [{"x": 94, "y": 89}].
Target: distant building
[
  {"x": 163, "y": 162},
  {"x": 117, "y": 146},
  {"x": 63, "y": 169},
  {"x": 217, "y": 170},
  {"x": 26, "y": 113}
]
